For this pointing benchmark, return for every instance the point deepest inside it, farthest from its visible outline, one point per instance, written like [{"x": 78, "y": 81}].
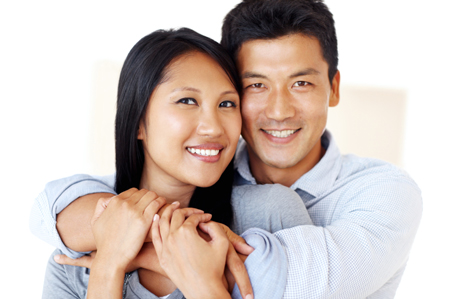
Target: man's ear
[{"x": 334, "y": 95}]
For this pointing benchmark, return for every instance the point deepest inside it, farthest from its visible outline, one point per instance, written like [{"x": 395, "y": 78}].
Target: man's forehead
[{"x": 290, "y": 54}]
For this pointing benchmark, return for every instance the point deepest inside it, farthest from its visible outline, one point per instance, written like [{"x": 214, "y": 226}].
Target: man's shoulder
[
  {"x": 353, "y": 164},
  {"x": 366, "y": 172}
]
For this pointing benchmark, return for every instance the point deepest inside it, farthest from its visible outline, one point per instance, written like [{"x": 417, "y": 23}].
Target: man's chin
[{"x": 278, "y": 160}]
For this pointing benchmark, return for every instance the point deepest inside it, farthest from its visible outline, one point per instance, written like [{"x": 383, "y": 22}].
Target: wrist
[
  {"x": 211, "y": 290},
  {"x": 105, "y": 280},
  {"x": 108, "y": 265}
]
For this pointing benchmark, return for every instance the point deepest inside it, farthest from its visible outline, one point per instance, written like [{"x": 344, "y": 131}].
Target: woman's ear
[{"x": 141, "y": 131}]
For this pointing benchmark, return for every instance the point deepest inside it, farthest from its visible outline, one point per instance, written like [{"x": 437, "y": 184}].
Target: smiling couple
[{"x": 320, "y": 224}]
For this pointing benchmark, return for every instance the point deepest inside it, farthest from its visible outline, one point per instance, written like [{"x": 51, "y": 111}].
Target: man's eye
[
  {"x": 257, "y": 85},
  {"x": 187, "y": 101},
  {"x": 301, "y": 83},
  {"x": 227, "y": 104}
]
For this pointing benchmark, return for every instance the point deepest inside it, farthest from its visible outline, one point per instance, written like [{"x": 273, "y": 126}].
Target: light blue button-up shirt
[{"x": 366, "y": 213}]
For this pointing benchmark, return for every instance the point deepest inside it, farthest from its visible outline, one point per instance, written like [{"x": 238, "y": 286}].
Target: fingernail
[
  {"x": 155, "y": 217},
  {"x": 249, "y": 296},
  {"x": 57, "y": 258},
  {"x": 175, "y": 202}
]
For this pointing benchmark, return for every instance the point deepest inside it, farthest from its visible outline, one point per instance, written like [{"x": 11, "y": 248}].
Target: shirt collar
[
  {"x": 316, "y": 181},
  {"x": 242, "y": 165}
]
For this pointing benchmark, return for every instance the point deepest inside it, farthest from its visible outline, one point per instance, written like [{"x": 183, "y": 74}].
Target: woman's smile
[
  {"x": 209, "y": 152},
  {"x": 192, "y": 124}
]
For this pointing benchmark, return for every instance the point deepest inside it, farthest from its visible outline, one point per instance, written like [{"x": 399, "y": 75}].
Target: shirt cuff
[{"x": 266, "y": 265}]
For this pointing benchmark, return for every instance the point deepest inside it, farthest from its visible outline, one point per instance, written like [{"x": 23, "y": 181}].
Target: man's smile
[{"x": 280, "y": 133}]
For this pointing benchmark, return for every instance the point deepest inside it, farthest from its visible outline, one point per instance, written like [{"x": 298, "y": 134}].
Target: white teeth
[
  {"x": 203, "y": 152},
  {"x": 282, "y": 134}
]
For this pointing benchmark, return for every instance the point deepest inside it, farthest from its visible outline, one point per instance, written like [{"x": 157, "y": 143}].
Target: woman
[{"x": 177, "y": 127}]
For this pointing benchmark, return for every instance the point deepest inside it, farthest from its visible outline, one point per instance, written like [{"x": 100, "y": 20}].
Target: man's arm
[
  {"x": 48, "y": 213},
  {"x": 74, "y": 222},
  {"x": 365, "y": 245}
]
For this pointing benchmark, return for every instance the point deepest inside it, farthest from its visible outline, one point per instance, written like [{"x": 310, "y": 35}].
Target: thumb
[
  {"x": 213, "y": 230},
  {"x": 102, "y": 203},
  {"x": 241, "y": 246},
  {"x": 238, "y": 242},
  {"x": 84, "y": 261}
]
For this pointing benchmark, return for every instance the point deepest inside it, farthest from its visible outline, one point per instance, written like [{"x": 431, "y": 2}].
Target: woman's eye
[
  {"x": 301, "y": 83},
  {"x": 187, "y": 101},
  {"x": 227, "y": 104},
  {"x": 257, "y": 85}
]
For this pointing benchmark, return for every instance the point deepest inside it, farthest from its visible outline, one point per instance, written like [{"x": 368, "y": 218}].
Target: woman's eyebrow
[
  {"x": 186, "y": 88},
  {"x": 229, "y": 92}
]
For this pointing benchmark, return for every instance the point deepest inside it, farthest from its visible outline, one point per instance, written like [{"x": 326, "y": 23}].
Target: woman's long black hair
[{"x": 142, "y": 71}]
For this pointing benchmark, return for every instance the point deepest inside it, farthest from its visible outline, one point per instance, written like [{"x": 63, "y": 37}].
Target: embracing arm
[
  {"x": 49, "y": 218},
  {"x": 73, "y": 223},
  {"x": 363, "y": 247}
]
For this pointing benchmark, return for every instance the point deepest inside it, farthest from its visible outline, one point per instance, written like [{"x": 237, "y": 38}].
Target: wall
[{"x": 53, "y": 52}]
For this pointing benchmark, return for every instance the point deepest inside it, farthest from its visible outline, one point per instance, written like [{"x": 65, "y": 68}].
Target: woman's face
[{"x": 192, "y": 123}]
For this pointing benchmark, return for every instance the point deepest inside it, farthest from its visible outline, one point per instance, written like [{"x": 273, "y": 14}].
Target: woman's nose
[{"x": 210, "y": 124}]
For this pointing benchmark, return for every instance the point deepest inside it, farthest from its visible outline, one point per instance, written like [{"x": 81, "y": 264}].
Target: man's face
[{"x": 285, "y": 100}]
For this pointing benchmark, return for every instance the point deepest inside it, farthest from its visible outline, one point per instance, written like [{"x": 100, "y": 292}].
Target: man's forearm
[{"x": 74, "y": 222}]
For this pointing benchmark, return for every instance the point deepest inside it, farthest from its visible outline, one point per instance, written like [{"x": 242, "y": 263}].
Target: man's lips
[{"x": 281, "y": 133}]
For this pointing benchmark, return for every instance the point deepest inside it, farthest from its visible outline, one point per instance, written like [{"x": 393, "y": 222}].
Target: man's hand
[
  {"x": 235, "y": 271},
  {"x": 238, "y": 242},
  {"x": 147, "y": 259},
  {"x": 84, "y": 261}
]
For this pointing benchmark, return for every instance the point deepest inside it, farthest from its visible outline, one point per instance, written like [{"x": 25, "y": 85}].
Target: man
[{"x": 365, "y": 212}]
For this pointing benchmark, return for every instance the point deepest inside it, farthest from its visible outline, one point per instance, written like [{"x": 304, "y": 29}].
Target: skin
[
  {"x": 286, "y": 87},
  {"x": 198, "y": 107},
  {"x": 199, "y": 110}
]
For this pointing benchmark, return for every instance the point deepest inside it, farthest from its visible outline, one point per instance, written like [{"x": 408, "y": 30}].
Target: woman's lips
[{"x": 206, "y": 152}]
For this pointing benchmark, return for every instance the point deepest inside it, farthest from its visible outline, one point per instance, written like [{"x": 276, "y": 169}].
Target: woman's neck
[{"x": 166, "y": 186}]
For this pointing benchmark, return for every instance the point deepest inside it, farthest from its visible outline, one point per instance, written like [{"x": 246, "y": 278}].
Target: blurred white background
[{"x": 59, "y": 62}]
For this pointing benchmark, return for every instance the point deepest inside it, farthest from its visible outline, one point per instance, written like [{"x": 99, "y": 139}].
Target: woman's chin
[{"x": 205, "y": 181}]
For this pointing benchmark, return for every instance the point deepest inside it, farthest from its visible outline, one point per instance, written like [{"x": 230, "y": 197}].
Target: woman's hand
[
  {"x": 120, "y": 226},
  {"x": 195, "y": 265}
]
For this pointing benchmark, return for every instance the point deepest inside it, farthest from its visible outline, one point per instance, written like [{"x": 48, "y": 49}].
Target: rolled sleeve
[
  {"x": 56, "y": 196},
  {"x": 266, "y": 265}
]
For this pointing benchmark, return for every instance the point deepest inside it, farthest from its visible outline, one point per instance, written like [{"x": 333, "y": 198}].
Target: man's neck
[{"x": 267, "y": 174}]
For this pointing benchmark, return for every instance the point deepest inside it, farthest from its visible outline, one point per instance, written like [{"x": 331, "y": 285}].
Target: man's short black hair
[{"x": 270, "y": 19}]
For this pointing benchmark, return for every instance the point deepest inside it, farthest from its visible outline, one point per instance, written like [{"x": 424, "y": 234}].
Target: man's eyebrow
[
  {"x": 308, "y": 71},
  {"x": 248, "y": 75}
]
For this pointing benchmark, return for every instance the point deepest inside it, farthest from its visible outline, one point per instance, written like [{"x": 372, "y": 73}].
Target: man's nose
[{"x": 280, "y": 105}]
